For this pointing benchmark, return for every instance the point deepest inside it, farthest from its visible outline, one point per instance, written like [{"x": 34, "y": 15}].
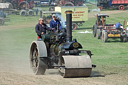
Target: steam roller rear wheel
[
  {"x": 94, "y": 30},
  {"x": 1, "y": 21},
  {"x": 104, "y": 36},
  {"x": 100, "y": 7},
  {"x": 74, "y": 26},
  {"x": 38, "y": 63},
  {"x": 123, "y": 38},
  {"x": 76, "y": 66},
  {"x": 98, "y": 34},
  {"x": 31, "y": 12},
  {"x": 121, "y": 7},
  {"x": 23, "y": 12},
  {"x": 52, "y": 8}
]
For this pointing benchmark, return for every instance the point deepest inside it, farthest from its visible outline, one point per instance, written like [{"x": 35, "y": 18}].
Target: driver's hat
[
  {"x": 53, "y": 15},
  {"x": 41, "y": 19}
]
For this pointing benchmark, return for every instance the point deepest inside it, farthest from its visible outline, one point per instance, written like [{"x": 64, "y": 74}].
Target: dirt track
[
  {"x": 15, "y": 70},
  {"x": 54, "y": 78}
]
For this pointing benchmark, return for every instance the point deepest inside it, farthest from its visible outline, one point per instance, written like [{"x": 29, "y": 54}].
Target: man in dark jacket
[
  {"x": 55, "y": 24},
  {"x": 41, "y": 28}
]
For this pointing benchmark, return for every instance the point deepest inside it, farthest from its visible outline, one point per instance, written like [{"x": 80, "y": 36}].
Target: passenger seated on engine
[
  {"x": 127, "y": 27},
  {"x": 127, "y": 30},
  {"x": 119, "y": 26},
  {"x": 41, "y": 28}
]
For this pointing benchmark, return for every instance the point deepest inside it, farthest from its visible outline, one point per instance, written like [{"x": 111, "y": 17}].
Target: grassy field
[{"x": 111, "y": 58}]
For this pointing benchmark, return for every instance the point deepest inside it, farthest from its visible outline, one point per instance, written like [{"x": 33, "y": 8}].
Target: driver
[{"x": 55, "y": 24}]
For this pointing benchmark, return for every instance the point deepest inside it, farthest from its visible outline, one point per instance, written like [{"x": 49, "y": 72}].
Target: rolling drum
[{"x": 76, "y": 66}]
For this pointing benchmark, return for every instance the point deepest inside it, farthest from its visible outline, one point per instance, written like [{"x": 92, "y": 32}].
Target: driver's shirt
[{"x": 54, "y": 24}]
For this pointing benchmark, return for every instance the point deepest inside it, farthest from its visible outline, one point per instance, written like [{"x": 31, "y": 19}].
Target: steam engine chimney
[{"x": 69, "y": 25}]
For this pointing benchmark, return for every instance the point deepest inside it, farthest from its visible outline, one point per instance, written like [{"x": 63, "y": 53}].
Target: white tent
[{"x": 6, "y": 6}]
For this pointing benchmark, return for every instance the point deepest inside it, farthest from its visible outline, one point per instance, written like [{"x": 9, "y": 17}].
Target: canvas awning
[{"x": 6, "y": 6}]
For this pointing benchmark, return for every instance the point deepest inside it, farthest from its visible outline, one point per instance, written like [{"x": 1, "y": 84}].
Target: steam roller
[{"x": 58, "y": 50}]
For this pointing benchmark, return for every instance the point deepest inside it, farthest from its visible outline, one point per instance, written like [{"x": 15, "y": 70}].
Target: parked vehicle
[
  {"x": 67, "y": 3},
  {"x": 79, "y": 16},
  {"x": 105, "y": 31},
  {"x": 22, "y": 7},
  {"x": 53, "y": 3},
  {"x": 119, "y": 4}
]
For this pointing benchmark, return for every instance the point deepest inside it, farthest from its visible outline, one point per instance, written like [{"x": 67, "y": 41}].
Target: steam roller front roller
[
  {"x": 76, "y": 66},
  {"x": 38, "y": 54}
]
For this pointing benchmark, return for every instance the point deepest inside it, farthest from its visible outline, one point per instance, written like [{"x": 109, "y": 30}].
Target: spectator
[{"x": 37, "y": 11}]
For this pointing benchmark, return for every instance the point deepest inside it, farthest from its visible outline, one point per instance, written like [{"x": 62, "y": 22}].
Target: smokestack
[{"x": 69, "y": 25}]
